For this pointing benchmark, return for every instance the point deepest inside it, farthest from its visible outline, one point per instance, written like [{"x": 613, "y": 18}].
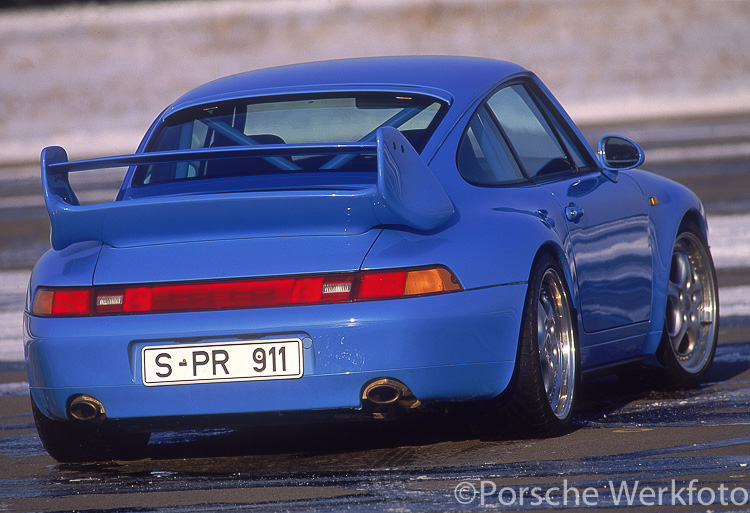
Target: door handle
[{"x": 573, "y": 212}]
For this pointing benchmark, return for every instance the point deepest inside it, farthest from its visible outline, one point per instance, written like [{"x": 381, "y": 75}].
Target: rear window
[{"x": 295, "y": 120}]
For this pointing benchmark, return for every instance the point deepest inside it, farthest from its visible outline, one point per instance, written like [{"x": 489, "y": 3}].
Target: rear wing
[{"x": 406, "y": 193}]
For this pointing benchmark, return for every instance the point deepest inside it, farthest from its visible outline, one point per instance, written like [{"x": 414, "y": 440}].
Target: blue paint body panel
[
  {"x": 409, "y": 209},
  {"x": 459, "y": 346}
]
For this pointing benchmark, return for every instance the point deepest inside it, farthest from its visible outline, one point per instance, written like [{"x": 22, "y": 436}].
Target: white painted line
[
  {"x": 729, "y": 238},
  {"x": 11, "y": 344},
  {"x": 11, "y": 350},
  {"x": 30, "y": 201},
  {"x": 12, "y": 297},
  {"x": 734, "y": 301},
  {"x": 37, "y": 200},
  {"x": 14, "y": 282},
  {"x": 19, "y": 389},
  {"x": 697, "y": 152}
]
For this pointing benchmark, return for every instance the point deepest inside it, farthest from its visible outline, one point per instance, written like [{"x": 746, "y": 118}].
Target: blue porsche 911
[{"x": 361, "y": 236}]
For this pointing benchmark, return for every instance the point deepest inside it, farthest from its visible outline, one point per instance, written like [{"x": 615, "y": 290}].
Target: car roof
[{"x": 452, "y": 79}]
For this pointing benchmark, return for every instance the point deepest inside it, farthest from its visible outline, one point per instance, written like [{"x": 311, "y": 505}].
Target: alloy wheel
[
  {"x": 691, "y": 304},
  {"x": 556, "y": 344}
]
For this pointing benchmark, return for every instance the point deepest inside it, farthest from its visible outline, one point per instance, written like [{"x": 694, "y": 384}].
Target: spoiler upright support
[{"x": 406, "y": 193}]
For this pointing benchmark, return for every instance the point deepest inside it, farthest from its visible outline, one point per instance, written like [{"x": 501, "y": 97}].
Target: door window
[
  {"x": 536, "y": 145},
  {"x": 513, "y": 137}
]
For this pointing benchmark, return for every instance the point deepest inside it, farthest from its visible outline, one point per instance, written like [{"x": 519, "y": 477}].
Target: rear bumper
[{"x": 453, "y": 347}]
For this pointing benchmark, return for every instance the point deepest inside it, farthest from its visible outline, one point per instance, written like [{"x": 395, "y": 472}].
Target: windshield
[{"x": 307, "y": 120}]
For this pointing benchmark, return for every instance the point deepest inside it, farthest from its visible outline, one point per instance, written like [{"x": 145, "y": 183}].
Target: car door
[
  {"x": 609, "y": 233},
  {"x": 607, "y": 219}
]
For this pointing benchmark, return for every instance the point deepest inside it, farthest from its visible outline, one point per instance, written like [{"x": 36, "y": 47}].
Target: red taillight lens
[
  {"x": 375, "y": 285},
  {"x": 240, "y": 294},
  {"x": 137, "y": 299},
  {"x": 237, "y": 294}
]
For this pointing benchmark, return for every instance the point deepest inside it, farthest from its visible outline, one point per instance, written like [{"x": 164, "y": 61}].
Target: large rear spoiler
[{"x": 406, "y": 193}]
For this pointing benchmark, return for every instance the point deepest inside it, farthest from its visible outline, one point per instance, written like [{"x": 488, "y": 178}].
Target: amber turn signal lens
[
  {"x": 430, "y": 281},
  {"x": 43, "y": 302}
]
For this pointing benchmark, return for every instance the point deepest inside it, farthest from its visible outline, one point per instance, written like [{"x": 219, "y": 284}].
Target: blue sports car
[{"x": 364, "y": 236}]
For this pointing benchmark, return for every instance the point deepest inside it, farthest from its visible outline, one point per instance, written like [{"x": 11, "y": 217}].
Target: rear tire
[
  {"x": 72, "y": 441},
  {"x": 547, "y": 378},
  {"x": 691, "y": 326}
]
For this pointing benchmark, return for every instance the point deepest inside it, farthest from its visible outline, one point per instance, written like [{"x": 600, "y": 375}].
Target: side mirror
[{"x": 617, "y": 153}]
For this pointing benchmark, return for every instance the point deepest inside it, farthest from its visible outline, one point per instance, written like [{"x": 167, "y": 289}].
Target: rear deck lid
[{"x": 233, "y": 258}]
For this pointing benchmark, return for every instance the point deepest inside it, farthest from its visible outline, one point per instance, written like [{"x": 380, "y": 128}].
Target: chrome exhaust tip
[
  {"x": 388, "y": 391},
  {"x": 86, "y": 408}
]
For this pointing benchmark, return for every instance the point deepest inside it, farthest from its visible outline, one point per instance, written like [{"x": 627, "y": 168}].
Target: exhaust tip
[
  {"x": 387, "y": 391},
  {"x": 86, "y": 408},
  {"x": 382, "y": 394}
]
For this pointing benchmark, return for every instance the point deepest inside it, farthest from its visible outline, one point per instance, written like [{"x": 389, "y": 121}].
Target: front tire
[
  {"x": 547, "y": 377},
  {"x": 691, "y": 326}
]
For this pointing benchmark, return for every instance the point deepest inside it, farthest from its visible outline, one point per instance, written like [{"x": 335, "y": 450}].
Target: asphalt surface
[{"x": 632, "y": 445}]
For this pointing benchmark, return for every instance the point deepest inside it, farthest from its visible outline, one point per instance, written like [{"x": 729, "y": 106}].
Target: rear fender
[
  {"x": 72, "y": 267},
  {"x": 500, "y": 253}
]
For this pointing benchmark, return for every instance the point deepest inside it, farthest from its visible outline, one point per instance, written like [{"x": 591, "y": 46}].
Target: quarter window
[{"x": 484, "y": 157}]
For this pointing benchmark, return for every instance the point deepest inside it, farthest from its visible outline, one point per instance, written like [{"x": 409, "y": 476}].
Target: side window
[
  {"x": 536, "y": 145},
  {"x": 483, "y": 156},
  {"x": 576, "y": 152},
  {"x": 513, "y": 137}
]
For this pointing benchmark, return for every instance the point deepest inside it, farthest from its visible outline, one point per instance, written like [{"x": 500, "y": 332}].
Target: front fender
[{"x": 669, "y": 204}]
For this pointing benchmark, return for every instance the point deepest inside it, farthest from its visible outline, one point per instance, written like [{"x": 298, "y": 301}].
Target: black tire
[
  {"x": 547, "y": 378},
  {"x": 73, "y": 441},
  {"x": 691, "y": 327}
]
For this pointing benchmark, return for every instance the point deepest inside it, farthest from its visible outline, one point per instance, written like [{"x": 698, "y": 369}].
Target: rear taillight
[
  {"x": 237, "y": 294},
  {"x": 62, "y": 302}
]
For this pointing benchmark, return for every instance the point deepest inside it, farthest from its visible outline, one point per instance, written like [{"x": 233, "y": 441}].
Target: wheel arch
[
  {"x": 671, "y": 207},
  {"x": 690, "y": 333},
  {"x": 558, "y": 255},
  {"x": 665, "y": 239},
  {"x": 567, "y": 266},
  {"x": 697, "y": 218},
  {"x": 691, "y": 217},
  {"x": 522, "y": 383}
]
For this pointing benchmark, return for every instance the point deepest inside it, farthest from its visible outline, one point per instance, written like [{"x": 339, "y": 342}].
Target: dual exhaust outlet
[{"x": 381, "y": 392}]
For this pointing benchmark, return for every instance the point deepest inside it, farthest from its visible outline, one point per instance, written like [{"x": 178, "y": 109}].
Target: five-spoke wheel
[
  {"x": 544, "y": 392},
  {"x": 557, "y": 354},
  {"x": 691, "y": 323}
]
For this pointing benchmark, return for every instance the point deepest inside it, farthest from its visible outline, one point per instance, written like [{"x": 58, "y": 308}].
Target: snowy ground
[
  {"x": 12, "y": 298},
  {"x": 92, "y": 78}
]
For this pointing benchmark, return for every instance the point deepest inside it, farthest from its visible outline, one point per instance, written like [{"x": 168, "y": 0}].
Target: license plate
[{"x": 220, "y": 362}]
